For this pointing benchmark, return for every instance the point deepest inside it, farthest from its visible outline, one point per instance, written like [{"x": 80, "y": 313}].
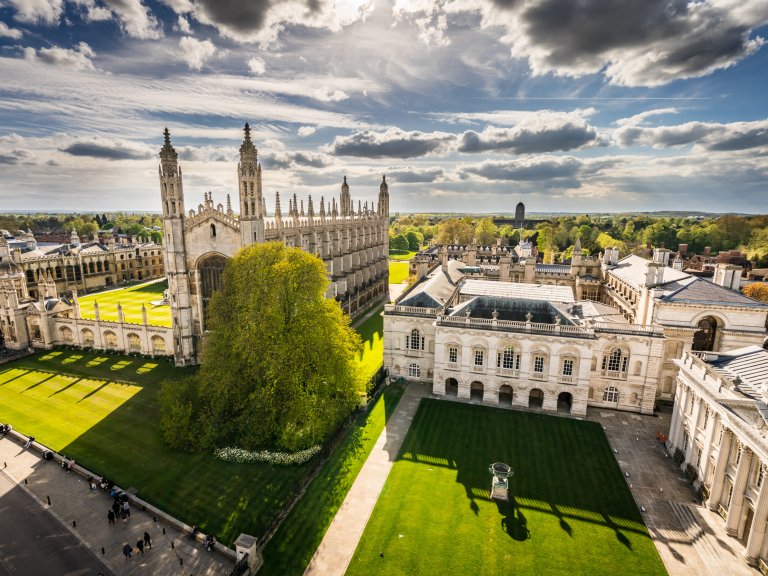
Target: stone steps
[{"x": 698, "y": 537}]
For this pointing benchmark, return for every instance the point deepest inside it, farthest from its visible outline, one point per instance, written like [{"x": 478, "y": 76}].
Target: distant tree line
[
  {"x": 86, "y": 224},
  {"x": 628, "y": 233}
]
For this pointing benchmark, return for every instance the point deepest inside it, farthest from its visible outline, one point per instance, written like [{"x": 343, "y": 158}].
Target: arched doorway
[
  {"x": 564, "y": 402},
  {"x": 476, "y": 391},
  {"x": 505, "y": 395},
  {"x": 536, "y": 399},
  {"x": 452, "y": 387},
  {"x": 210, "y": 269},
  {"x": 704, "y": 337}
]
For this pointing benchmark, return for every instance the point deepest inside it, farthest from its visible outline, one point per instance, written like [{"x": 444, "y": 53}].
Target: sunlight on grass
[
  {"x": 398, "y": 272},
  {"x": 50, "y": 356},
  {"x": 372, "y": 333},
  {"x": 121, "y": 364},
  {"x": 57, "y": 409},
  {"x": 131, "y": 300},
  {"x": 148, "y": 367},
  {"x": 72, "y": 358},
  {"x": 96, "y": 361}
]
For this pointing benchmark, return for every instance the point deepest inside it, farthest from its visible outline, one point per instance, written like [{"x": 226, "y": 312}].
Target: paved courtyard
[
  {"x": 690, "y": 538},
  {"x": 83, "y": 513}
]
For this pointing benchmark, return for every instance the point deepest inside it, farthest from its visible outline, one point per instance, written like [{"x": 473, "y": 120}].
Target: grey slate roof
[
  {"x": 631, "y": 269},
  {"x": 516, "y": 290},
  {"x": 749, "y": 364},
  {"x": 703, "y": 291},
  {"x": 435, "y": 290},
  {"x": 553, "y": 268}
]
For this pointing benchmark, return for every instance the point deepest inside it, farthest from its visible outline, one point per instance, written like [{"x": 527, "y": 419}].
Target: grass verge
[
  {"x": 570, "y": 509},
  {"x": 293, "y": 545}
]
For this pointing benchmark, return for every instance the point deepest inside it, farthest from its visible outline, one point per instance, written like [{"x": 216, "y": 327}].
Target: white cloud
[
  {"x": 182, "y": 25},
  {"x": 326, "y": 94},
  {"x": 304, "y": 131},
  {"x": 78, "y": 58},
  {"x": 640, "y": 118},
  {"x": 93, "y": 12},
  {"x": 390, "y": 143},
  {"x": 707, "y": 135},
  {"x": 196, "y": 52},
  {"x": 516, "y": 117},
  {"x": 38, "y": 11},
  {"x": 8, "y": 32},
  {"x": 257, "y": 66},
  {"x": 136, "y": 20}
]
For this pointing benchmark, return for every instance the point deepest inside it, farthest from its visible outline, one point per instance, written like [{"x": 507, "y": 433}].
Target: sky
[{"x": 466, "y": 105}]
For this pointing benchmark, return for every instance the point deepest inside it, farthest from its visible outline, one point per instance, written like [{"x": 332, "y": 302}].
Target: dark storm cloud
[
  {"x": 647, "y": 42},
  {"x": 244, "y": 15},
  {"x": 408, "y": 175},
  {"x": 712, "y": 136},
  {"x": 107, "y": 151},
  {"x": 392, "y": 143},
  {"x": 565, "y": 170},
  {"x": 13, "y": 157},
  {"x": 529, "y": 139},
  {"x": 284, "y": 160}
]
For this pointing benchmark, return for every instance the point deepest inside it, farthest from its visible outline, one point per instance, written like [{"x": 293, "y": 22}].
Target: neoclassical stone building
[
  {"x": 694, "y": 313},
  {"x": 525, "y": 345},
  {"x": 353, "y": 244},
  {"x": 48, "y": 319},
  {"x": 85, "y": 265},
  {"x": 515, "y": 264},
  {"x": 719, "y": 436}
]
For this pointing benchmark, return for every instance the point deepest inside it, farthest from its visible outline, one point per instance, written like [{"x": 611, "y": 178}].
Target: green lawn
[
  {"x": 131, "y": 300},
  {"x": 398, "y": 272},
  {"x": 372, "y": 333},
  {"x": 65, "y": 399},
  {"x": 293, "y": 545},
  {"x": 405, "y": 256},
  {"x": 571, "y": 511}
]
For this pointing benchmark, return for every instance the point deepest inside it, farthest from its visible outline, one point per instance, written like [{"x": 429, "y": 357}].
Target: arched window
[
  {"x": 415, "y": 341},
  {"x": 414, "y": 371},
  {"x": 615, "y": 363},
  {"x": 213, "y": 230},
  {"x": 611, "y": 394},
  {"x": 134, "y": 342},
  {"x": 87, "y": 337},
  {"x": 110, "y": 339},
  {"x": 158, "y": 344},
  {"x": 507, "y": 359},
  {"x": 66, "y": 334},
  {"x": 704, "y": 338}
]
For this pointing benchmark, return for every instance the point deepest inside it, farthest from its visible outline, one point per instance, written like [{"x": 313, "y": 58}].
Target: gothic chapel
[{"x": 352, "y": 244}]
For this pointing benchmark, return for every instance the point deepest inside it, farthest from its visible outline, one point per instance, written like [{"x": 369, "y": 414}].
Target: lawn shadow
[
  {"x": 35, "y": 385},
  {"x": 23, "y": 373},
  {"x": 94, "y": 391},
  {"x": 513, "y": 521},
  {"x": 67, "y": 387},
  {"x": 155, "y": 287},
  {"x": 534, "y": 445}
]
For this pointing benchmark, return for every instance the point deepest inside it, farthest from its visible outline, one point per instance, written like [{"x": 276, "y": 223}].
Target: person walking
[
  {"x": 127, "y": 509},
  {"x": 140, "y": 546},
  {"x": 127, "y": 551},
  {"x": 147, "y": 540},
  {"x": 116, "y": 508},
  {"x": 111, "y": 517}
]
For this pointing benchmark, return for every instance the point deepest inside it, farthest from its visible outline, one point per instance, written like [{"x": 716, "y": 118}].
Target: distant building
[{"x": 520, "y": 215}]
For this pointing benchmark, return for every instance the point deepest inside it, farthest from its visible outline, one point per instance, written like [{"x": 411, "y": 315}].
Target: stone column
[
  {"x": 676, "y": 425},
  {"x": 693, "y": 427},
  {"x": 718, "y": 479},
  {"x": 707, "y": 448},
  {"x": 737, "y": 498},
  {"x": 757, "y": 532}
]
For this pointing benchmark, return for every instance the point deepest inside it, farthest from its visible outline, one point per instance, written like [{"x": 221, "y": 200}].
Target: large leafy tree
[
  {"x": 279, "y": 364},
  {"x": 485, "y": 232}
]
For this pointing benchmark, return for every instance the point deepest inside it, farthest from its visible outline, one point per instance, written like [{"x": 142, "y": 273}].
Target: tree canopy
[{"x": 279, "y": 366}]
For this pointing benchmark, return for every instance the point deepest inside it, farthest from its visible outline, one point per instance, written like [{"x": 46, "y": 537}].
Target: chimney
[
  {"x": 707, "y": 250},
  {"x": 728, "y": 276},
  {"x": 682, "y": 248}
]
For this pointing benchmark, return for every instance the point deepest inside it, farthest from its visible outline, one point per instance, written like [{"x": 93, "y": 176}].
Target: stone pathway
[
  {"x": 690, "y": 538},
  {"x": 335, "y": 551},
  {"x": 84, "y": 513}
]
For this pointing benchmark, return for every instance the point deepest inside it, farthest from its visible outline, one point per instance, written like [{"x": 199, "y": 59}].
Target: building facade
[
  {"x": 353, "y": 243},
  {"x": 48, "y": 319},
  {"x": 528, "y": 346},
  {"x": 718, "y": 436}
]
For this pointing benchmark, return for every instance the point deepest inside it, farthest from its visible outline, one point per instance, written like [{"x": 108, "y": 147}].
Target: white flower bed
[{"x": 281, "y": 458}]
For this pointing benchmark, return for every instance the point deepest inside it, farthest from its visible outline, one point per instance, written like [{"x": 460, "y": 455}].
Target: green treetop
[{"x": 279, "y": 363}]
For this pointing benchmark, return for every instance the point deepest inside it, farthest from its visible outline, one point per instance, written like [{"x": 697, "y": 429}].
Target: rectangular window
[
  {"x": 453, "y": 355},
  {"x": 538, "y": 364},
  {"x": 567, "y": 367},
  {"x": 478, "y": 357}
]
